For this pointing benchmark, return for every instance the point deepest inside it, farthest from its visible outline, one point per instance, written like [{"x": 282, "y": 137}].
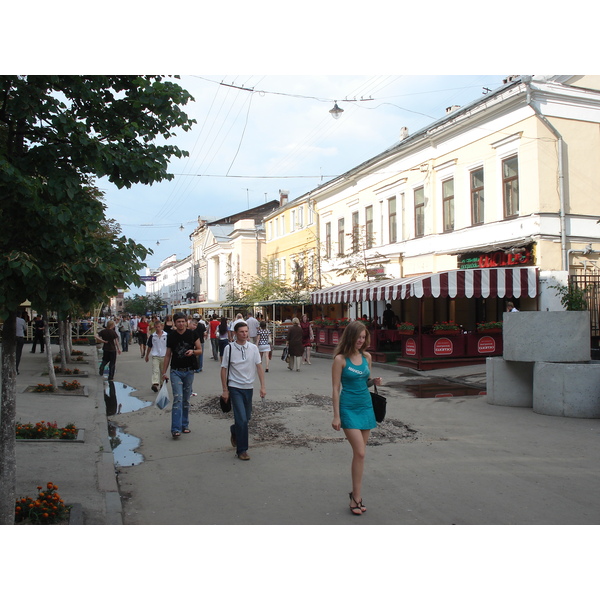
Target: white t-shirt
[
  {"x": 242, "y": 369},
  {"x": 253, "y": 326}
]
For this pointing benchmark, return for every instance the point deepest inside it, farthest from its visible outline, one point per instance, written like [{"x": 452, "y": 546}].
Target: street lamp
[{"x": 336, "y": 111}]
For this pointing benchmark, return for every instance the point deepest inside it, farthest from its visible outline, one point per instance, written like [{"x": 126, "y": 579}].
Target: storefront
[{"x": 452, "y": 317}]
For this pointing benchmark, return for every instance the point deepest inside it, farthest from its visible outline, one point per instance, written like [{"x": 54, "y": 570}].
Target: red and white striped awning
[{"x": 512, "y": 282}]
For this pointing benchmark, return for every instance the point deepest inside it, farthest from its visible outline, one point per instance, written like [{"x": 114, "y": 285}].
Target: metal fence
[{"x": 590, "y": 284}]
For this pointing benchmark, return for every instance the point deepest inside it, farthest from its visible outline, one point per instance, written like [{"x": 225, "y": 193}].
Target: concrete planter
[{"x": 551, "y": 336}]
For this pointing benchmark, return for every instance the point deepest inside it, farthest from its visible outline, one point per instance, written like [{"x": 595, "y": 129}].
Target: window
[
  {"x": 448, "y": 204},
  {"x": 419, "y": 195},
  {"x": 510, "y": 186},
  {"x": 476, "y": 196},
  {"x": 300, "y": 215},
  {"x": 327, "y": 240},
  {"x": 282, "y": 271},
  {"x": 282, "y": 224},
  {"x": 369, "y": 226},
  {"x": 392, "y": 220},
  {"x": 355, "y": 232},
  {"x": 293, "y": 221},
  {"x": 341, "y": 237}
]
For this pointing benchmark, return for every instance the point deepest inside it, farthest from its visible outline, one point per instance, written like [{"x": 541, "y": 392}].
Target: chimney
[
  {"x": 283, "y": 197},
  {"x": 452, "y": 108}
]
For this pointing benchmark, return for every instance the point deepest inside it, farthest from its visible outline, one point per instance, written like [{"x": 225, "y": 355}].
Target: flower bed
[
  {"x": 490, "y": 326},
  {"x": 445, "y": 328},
  {"x": 45, "y": 431},
  {"x": 47, "y": 509}
]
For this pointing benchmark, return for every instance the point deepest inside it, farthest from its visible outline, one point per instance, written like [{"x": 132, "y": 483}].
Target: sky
[{"x": 258, "y": 134}]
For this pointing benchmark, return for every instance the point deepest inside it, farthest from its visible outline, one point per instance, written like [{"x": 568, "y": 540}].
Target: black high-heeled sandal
[{"x": 359, "y": 506}]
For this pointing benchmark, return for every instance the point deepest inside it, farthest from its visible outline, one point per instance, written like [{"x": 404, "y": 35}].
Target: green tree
[
  {"x": 140, "y": 305},
  {"x": 55, "y": 133}
]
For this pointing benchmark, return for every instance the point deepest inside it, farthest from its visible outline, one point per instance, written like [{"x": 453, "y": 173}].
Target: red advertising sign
[
  {"x": 443, "y": 347},
  {"x": 486, "y": 345},
  {"x": 322, "y": 336},
  {"x": 410, "y": 348},
  {"x": 335, "y": 337}
]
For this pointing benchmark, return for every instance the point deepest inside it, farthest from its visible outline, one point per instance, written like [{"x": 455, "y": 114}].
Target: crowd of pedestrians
[{"x": 244, "y": 348}]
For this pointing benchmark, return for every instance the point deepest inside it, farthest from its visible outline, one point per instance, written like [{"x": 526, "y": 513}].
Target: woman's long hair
[
  {"x": 223, "y": 326},
  {"x": 347, "y": 344}
]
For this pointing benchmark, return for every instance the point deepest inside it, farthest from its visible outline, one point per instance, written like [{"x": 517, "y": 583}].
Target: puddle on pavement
[
  {"x": 438, "y": 389},
  {"x": 123, "y": 447},
  {"x": 118, "y": 399}
]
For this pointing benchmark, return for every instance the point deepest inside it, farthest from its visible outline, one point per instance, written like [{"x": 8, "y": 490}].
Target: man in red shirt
[{"x": 214, "y": 336}]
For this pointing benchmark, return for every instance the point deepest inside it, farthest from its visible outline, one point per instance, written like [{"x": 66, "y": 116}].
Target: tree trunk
[
  {"x": 62, "y": 345},
  {"x": 8, "y": 461},
  {"x": 49, "y": 357}
]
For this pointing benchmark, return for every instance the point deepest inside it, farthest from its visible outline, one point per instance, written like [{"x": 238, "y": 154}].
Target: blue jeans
[
  {"x": 125, "y": 340},
  {"x": 181, "y": 384},
  {"x": 241, "y": 402}
]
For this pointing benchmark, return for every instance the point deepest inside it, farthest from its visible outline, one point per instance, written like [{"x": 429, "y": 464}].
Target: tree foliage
[
  {"x": 56, "y": 134},
  {"x": 141, "y": 305}
]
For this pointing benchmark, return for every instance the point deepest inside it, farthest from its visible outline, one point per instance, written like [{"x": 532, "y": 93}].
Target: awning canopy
[{"x": 513, "y": 282}]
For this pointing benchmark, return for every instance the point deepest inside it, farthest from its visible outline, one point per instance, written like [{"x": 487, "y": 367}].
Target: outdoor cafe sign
[{"x": 488, "y": 260}]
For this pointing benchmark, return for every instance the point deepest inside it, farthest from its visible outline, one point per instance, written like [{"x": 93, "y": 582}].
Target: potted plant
[
  {"x": 490, "y": 327},
  {"x": 445, "y": 328}
]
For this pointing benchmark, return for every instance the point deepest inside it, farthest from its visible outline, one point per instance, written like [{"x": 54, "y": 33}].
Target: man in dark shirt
[
  {"x": 38, "y": 332},
  {"x": 183, "y": 347},
  {"x": 110, "y": 338}
]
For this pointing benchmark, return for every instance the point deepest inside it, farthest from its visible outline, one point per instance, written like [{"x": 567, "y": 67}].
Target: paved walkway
[{"x": 445, "y": 460}]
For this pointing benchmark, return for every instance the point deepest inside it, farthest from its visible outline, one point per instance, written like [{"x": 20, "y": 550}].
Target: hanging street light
[{"x": 336, "y": 111}]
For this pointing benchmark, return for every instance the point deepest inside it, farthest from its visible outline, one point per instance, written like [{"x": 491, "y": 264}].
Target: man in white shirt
[
  {"x": 157, "y": 348},
  {"x": 239, "y": 367},
  {"x": 21, "y": 335},
  {"x": 253, "y": 326}
]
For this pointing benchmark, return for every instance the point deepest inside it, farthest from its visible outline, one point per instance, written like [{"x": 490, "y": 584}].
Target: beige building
[{"x": 510, "y": 179}]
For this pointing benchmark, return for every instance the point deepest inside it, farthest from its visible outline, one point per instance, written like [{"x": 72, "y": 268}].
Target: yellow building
[{"x": 292, "y": 243}]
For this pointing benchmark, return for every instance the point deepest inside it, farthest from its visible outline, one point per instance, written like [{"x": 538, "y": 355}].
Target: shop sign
[
  {"x": 486, "y": 345},
  {"x": 410, "y": 348},
  {"x": 322, "y": 336},
  {"x": 443, "y": 347},
  {"x": 488, "y": 260},
  {"x": 335, "y": 337},
  {"x": 375, "y": 271}
]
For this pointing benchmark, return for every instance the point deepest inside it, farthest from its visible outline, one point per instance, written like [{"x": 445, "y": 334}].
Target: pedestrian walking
[
  {"x": 21, "y": 332},
  {"x": 264, "y": 344},
  {"x": 142, "y": 334},
  {"x": 111, "y": 347},
  {"x": 352, "y": 404},
  {"x": 223, "y": 331},
  {"x": 296, "y": 349},
  {"x": 125, "y": 331},
  {"x": 307, "y": 338},
  {"x": 157, "y": 348},
  {"x": 213, "y": 326},
  {"x": 253, "y": 326},
  {"x": 239, "y": 367},
  {"x": 39, "y": 327},
  {"x": 182, "y": 349}
]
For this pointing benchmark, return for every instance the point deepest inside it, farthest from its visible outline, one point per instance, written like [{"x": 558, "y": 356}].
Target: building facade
[{"x": 510, "y": 179}]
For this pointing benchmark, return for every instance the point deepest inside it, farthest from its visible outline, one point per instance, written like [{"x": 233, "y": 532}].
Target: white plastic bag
[{"x": 162, "y": 399}]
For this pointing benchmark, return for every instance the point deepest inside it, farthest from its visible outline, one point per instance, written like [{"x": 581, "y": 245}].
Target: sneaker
[
  {"x": 233, "y": 440},
  {"x": 155, "y": 387},
  {"x": 243, "y": 456}
]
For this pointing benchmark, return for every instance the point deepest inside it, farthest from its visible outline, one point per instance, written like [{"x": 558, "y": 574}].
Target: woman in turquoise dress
[{"x": 352, "y": 405}]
